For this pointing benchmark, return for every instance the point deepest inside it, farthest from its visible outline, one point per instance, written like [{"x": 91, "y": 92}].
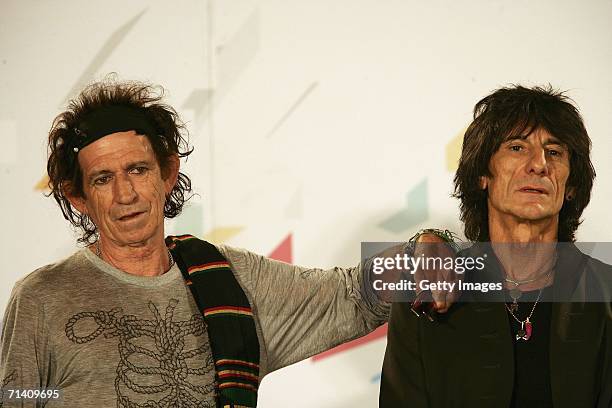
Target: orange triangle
[{"x": 43, "y": 184}]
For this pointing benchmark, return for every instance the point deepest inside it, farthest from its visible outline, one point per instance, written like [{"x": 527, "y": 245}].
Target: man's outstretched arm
[{"x": 304, "y": 311}]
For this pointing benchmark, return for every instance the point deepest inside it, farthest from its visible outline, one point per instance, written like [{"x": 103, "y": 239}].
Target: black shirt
[{"x": 531, "y": 357}]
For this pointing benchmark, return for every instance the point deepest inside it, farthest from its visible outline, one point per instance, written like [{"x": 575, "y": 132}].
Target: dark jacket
[{"x": 466, "y": 357}]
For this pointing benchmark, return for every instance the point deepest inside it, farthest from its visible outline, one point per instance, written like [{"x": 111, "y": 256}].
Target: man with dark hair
[
  {"x": 115, "y": 323},
  {"x": 512, "y": 114},
  {"x": 524, "y": 178}
]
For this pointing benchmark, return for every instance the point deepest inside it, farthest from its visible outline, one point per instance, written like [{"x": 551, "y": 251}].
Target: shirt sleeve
[
  {"x": 23, "y": 353},
  {"x": 305, "y": 311}
]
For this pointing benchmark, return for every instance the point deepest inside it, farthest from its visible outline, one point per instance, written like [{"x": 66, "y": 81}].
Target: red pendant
[{"x": 528, "y": 329}]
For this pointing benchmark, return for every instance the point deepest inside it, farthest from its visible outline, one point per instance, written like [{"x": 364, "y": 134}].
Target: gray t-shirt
[{"x": 107, "y": 338}]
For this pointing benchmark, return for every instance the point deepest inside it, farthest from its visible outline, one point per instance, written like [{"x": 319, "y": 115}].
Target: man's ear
[
  {"x": 172, "y": 172},
  {"x": 483, "y": 182},
  {"x": 76, "y": 201}
]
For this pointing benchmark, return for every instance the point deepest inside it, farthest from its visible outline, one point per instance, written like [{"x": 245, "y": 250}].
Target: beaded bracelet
[{"x": 446, "y": 235}]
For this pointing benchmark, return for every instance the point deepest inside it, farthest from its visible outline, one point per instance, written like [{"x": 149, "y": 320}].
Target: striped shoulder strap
[{"x": 228, "y": 316}]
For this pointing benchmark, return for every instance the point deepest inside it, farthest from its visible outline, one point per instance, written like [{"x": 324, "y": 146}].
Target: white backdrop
[{"x": 318, "y": 124}]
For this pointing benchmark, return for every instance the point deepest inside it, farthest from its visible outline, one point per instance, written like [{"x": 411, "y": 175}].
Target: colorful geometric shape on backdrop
[
  {"x": 42, "y": 185},
  {"x": 415, "y": 212},
  {"x": 221, "y": 235},
  {"x": 283, "y": 251},
  {"x": 191, "y": 220}
]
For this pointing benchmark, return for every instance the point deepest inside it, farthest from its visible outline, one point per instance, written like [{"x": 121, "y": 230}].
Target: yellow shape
[
  {"x": 453, "y": 151},
  {"x": 43, "y": 184},
  {"x": 221, "y": 234}
]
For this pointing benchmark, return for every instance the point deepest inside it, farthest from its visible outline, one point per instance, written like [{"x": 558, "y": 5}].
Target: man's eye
[
  {"x": 139, "y": 170},
  {"x": 554, "y": 152},
  {"x": 100, "y": 181},
  {"x": 516, "y": 148}
]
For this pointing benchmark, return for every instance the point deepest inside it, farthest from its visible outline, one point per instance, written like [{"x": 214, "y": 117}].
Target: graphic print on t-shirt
[{"x": 155, "y": 355}]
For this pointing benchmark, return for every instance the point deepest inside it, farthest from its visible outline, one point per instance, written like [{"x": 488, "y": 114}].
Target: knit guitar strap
[{"x": 228, "y": 316}]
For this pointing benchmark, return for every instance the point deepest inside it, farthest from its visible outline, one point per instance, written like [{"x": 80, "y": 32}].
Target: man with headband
[{"x": 137, "y": 319}]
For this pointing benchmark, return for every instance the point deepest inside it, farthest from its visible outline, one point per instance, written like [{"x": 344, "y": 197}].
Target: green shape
[
  {"x": 191, "y": 221},
  {"x": 415, "y": 212}
]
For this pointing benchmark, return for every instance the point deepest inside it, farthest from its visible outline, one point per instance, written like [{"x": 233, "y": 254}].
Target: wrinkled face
[
  {"x": 529, "y": 176},
  {"x": 124, "y": 189}
]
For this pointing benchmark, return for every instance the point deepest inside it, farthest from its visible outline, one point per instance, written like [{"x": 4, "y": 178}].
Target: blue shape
[
  {"x": 376, "y": 378},
  {"x": 415, "y": 212}
]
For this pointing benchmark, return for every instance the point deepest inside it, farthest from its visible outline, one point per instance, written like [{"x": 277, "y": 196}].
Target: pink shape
[
  {"x": 283, "y": 252},
  {"x": 527, "y": 330}
]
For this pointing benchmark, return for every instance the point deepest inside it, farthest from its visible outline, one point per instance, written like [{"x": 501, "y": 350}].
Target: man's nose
[
  {"x": 538, "y": 163},
  {"x": 124, "y": 190}
]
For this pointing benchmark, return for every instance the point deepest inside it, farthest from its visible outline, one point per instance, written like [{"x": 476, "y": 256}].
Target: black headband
[{"x": 111, "y": 119}]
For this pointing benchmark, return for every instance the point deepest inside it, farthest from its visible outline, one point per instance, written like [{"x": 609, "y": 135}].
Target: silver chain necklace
[
  {"x": 516, "y": 293},
  {"x": 523, "y": 282}
]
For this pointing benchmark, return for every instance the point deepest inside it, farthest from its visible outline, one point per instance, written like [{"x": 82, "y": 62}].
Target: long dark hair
[
  {"x": 63, "y": 167},
  {"x": 515, "y": 111}
]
